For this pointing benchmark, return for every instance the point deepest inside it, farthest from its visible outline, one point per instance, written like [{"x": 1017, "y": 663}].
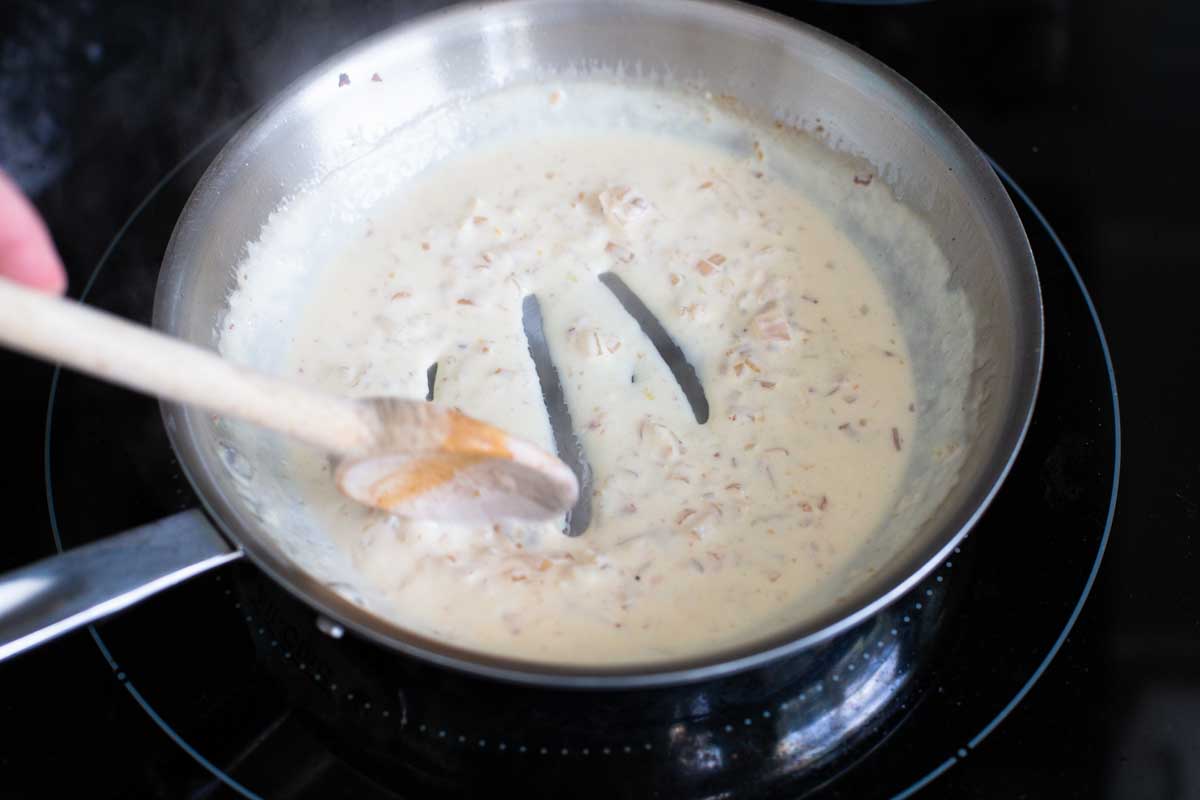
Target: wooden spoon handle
[{"x": 119, "y": 351}]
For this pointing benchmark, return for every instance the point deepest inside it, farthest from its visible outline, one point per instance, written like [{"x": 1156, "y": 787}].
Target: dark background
[{"x": 1090, "y": 105}]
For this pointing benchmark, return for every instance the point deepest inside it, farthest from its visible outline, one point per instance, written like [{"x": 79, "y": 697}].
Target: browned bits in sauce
[
  {"x": 401, "y": 295},
  {"x": 896, "y": 438},
  {"x": 675, "y": 278},
  {"x": 479, "y": 220},
  {"x": 620, "y": 253},
  {"x": 706, "y": 185},
  {"x": 425, "y": 245},
  {"x": 863, "y": 181},
  {"x": 824, "y": 503},
  {"x": 771, "y": 324},
  {"x": 462, "y": 301},
  {"x": 767, "y": 384}
]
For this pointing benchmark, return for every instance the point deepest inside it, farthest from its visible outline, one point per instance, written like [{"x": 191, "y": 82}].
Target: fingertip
[
  {"x": 34, "y": 264},
  {"x": 27, "y": 253},
  {"x": 54, "y": 274},
  {"x": 56, "y": 282}
]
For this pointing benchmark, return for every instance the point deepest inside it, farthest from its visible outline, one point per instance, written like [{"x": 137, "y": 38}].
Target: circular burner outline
[
  {"x": 913, "y": 788},
  {"x": 974, "y": 742},
  {"x": 217, "y": 772}
]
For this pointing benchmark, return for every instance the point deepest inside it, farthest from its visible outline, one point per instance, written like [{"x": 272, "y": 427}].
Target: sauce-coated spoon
[{"x": 408, "y": 457}]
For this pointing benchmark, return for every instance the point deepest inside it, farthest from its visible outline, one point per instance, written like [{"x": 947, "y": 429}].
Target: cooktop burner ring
[
  {"x": 962, "y": 752},
  {"x": 930, "y": 776}
]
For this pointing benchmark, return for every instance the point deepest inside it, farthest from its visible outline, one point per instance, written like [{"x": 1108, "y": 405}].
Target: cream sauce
[{"x": 701, "y": 534}]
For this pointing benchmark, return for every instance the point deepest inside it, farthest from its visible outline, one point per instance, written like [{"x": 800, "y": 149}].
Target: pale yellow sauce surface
[{"x": 700, "y": 533}]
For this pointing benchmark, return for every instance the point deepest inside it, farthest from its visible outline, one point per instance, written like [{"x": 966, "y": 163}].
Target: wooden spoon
[{"x": 408, "y": 457}]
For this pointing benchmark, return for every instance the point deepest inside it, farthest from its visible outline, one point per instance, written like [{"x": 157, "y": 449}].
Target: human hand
[{"x": 27, "y": 254}]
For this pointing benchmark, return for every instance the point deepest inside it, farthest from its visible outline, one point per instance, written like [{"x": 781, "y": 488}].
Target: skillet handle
[{"x": 58, "y": 594}]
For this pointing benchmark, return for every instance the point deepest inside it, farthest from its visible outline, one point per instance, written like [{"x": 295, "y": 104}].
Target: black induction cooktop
[{"x": 1067, "y": 665}]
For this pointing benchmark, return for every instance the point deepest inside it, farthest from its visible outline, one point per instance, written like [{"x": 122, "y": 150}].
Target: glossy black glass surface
[{"x": 222, "y": 687}]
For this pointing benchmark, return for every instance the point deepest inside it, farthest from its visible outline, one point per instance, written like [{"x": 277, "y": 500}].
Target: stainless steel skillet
[{"x": 769, "y": 64}]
